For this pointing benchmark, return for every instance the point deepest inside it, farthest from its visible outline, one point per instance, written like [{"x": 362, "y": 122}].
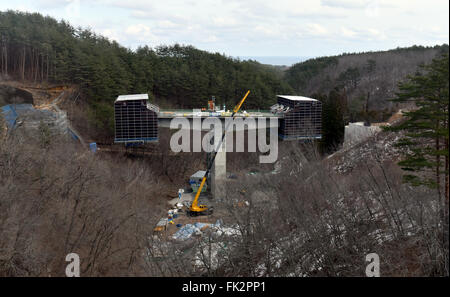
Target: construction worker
[{"x": 170, "y": 217}]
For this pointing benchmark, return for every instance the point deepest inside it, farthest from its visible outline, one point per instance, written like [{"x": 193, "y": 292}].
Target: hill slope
[
  {"x": 371, "y": 76},
  {"x": 41, "y": 49}
]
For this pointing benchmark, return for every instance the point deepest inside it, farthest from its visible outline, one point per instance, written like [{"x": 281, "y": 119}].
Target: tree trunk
[
  {"x": 47, "y": 67},
  {"x": 37, "y": 67},
  {"x": 3, "y": 63},
  {"x": 3, "y": 72},
  {"x": 23, "y": 64},
  {"x": 442, "y": 203},
  {"x": 31, "y": 68},
  {"x": 446, "y": 214},
  {"x": 6, "y": 59},
  {"x": 42, "y": 67}
]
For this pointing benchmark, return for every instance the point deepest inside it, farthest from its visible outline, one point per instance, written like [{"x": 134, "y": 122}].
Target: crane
[{"x": 195, "y": 209}]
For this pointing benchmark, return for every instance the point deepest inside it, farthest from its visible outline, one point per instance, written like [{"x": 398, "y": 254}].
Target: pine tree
[
  {"x": 427, "y": 126},
  {"x": 427, "y": 134},
  {"x": 332, "y": 120}
]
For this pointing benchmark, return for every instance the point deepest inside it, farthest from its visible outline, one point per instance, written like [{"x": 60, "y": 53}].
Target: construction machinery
[
  {"x": 195, "y": 209},
  {"x": 212, "y": 104},
  {"x": 195, "y": 181}
]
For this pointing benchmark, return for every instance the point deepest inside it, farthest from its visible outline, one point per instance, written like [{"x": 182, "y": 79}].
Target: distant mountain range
[{"x": 276, "y": 60}]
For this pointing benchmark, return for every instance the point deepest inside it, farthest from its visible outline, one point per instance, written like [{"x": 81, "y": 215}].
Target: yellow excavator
[{"x": 195, "y": 209}]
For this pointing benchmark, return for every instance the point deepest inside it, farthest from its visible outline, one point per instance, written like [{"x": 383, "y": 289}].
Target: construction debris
[
  {"x": 162, "y": 225},
  {"x": 197, "y": 228}
]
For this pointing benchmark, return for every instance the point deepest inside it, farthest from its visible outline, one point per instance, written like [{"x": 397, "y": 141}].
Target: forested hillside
[
  {"x": 357, "y": 87},
  {"x": 42, "y": 49},
  {"x": 368, "y": 80}
]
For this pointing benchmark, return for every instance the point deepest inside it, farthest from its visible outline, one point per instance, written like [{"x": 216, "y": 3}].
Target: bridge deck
[{"x": 188, "y": 113}]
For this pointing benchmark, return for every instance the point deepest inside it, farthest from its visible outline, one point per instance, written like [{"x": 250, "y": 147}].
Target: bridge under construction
[{"x": 138, "y": 121}]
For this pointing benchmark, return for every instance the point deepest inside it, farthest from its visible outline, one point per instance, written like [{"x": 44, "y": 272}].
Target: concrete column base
[{"x": 219, "y": 174}]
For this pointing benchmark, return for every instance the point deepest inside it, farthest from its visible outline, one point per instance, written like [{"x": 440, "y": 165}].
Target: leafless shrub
[
  {"x": 301, "y": 219},
  {"x": 308, "y": 220},
  {"x": 60, "y": 199}
]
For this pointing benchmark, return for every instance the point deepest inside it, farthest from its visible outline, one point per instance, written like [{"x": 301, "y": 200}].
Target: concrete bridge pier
[{"x": 218, "y": 174}]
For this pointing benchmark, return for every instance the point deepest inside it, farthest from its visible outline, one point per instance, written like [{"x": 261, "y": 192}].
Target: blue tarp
[
  {"x": 9, "y": 115},
  {"x": 10, "y": 111},
  {"x": 135, "y": 140},
  {"x": 72, "y": 134},
  {"x": 93, "y": 147}
]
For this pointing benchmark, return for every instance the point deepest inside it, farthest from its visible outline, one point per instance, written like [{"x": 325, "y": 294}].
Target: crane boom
[{"x": 195, "y": 208}]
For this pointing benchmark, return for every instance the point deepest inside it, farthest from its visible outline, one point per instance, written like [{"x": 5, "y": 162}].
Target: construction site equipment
[
  {"x": 162, "y": 225},
  {"x": 153, "y": 107},
  {"x": 196, "y": 180},
  {"x": 195, "y": 209},
  {"x": 212, "y": 104}
]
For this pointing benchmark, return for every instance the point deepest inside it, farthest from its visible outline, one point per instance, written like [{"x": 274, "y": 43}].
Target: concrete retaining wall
[{"x": 357, "y": 132}]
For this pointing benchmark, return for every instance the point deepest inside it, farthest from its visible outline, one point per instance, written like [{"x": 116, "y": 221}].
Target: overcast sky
[{"x": 304, "y": 28}]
